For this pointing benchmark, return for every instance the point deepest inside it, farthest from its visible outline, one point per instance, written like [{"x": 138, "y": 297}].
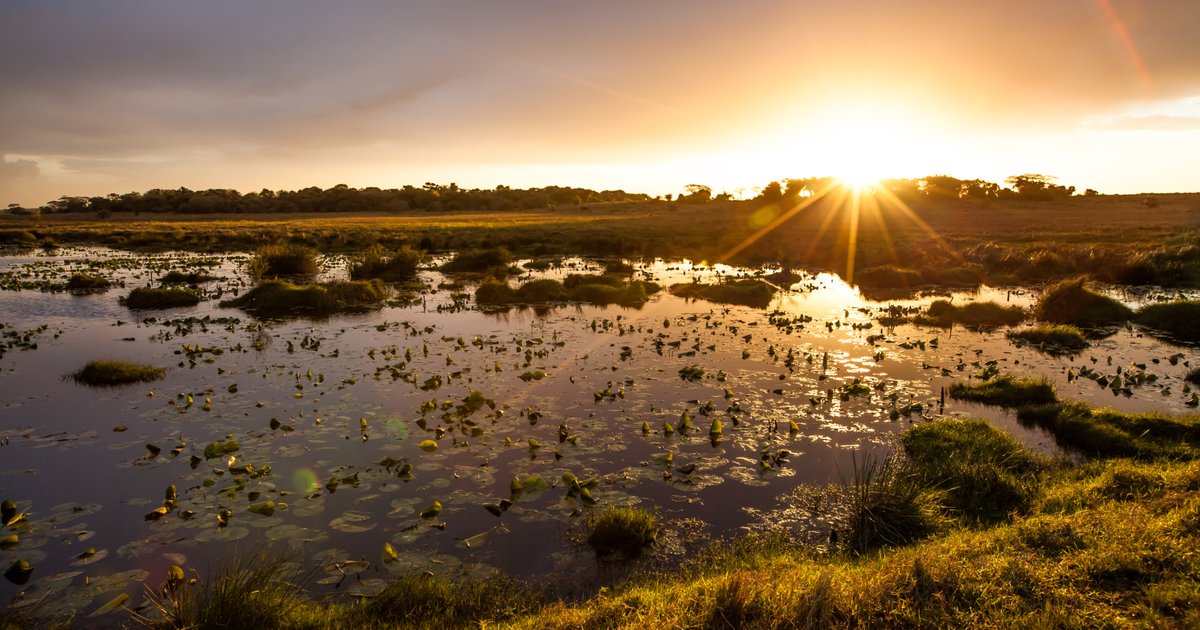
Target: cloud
[
  {"x": 1158, "y": 122},
  {"x": 18, "y": 170}
]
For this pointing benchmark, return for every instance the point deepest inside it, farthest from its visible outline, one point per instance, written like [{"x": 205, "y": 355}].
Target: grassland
[{"x": 935, "y": 242}]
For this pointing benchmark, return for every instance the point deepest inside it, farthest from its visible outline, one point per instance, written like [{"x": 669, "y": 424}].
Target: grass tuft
[
  {"x": 1179, "y": 320},
  {"x": 1070, "y": 302},
  {"x": 478, "y": 260},
  {"x": 621, "y": 533},
  {"x": 889, "y": 506},
  {"x": 111, "y": 373},
  {"x": 154, "y": 298},
  {"x": 755, "y": 293},
  {"x": 945, "y": 314},
  {"x": 87, "y": 282},
  {"x": 285, "y": 260},
  {"x": 1005, "y": 391},
  {"x": 398, "y": 265},
  {"x": 277, "y": 298},
  {"x": 1052, "y": 338}
]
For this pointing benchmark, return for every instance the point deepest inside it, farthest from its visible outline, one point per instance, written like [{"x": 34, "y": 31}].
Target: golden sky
[{"x": 126, "y": 95}]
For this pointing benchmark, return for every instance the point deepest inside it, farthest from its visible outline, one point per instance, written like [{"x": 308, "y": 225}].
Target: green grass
[
  {"x": 87, "y": 282},
  {"x": 988, "y": 477},
  {"x": 1071, "y": 302},
  {"x": 248, "y": 591},
  {"x": 420, "y": 601},
  {"x": 755, "y": 293},
  {"x": 1109, "y": 433},
  {"x": 399, "y": 265},
  {"x": 154, "y": 298},
  {"x": 1179, "y": 320},
  {"x": 621, "y": 533},
  {"x": 1052, "y": 338},
  {"x": 889, "y": 506},
  {"x": 278, "y": 298},
  {"x": 1005, "y": 391},
  {"x": 285, "y": 260},
  {"x": 944, "y": 314},
  {"x": 110, "y": 372}
]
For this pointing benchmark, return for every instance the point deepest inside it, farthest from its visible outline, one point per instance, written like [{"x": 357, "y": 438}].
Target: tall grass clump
[
  {"x": 989, "y": 474},
  {"x": 889, "y": 506},
  {"x": 493, "y": 292},
  {"x": 399, "y": 265},
  {"x": 1071, "y": 302},
  {"x": 1006, "y": 391},
  {"x": 478, "y": 260},
  {"x": 153, "y": 298},
  {"x": 87, "y": 282},
  {"x": 248, "y": 591},
  {"x": 111, "y": 373},
  {"x": 425, "y": 601},
  {"x": 1052, "y": 338},
  {"x": 749, "y": 292},
  {"x": 279, "y": 298},
  {"x": 1179, "y": 320},
  {"x": 285, "y": 260},
  {"x": 944, "y": 313},
  {"x": 621, "y": 533}
]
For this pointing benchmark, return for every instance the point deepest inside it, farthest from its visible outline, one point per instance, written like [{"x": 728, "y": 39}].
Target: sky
[{"x": 129, "y": 95}]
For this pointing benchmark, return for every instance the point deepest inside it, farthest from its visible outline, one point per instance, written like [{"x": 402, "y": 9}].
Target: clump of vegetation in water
[
  {"x": 191, "y": 277},
  {"x": 1116, "y": 434},
  {"x": 285, "y": 260},
  {"x": 945, "y": 314},
  {"x": 1052, "y": 338},
  {"x": 990, "y": 475},
  {"x": 110, "y": 373},
  {"x": 281, "y": 298},
  {"x": 621, "y": 533},
  {"x": 889, "y": 506},
  {"x": 479, "y": 261},
  {"x": 888, "y": 277},
  {"x": 750, "y": 292},
  {"x": 605, "y": 289},
  {"x": 166, "y": 297},
  {"x": 399, "y": 265},
  {"x": 1071, "y": 302},
  {"x": 87, "y": 282},
  {"x": 1006, "y": 391},
  {"x": 1180, "y": 320},
  {"x": 1193, "y": 376}
]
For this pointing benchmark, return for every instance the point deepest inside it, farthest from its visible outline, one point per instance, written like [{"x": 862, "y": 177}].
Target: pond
[{"x": 324, "y": 440}]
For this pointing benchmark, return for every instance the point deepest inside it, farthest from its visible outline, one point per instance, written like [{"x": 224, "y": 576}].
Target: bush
[
  {"x": 391, "y": 266},
  {"x": 621, "y": 533},
  {"x": 1070, "y": 302},
  {"x": 276, "y": 298},
  {"x": 285, "y": 260},
  {"x": 109, "y": 373},
  {"x": 152, "y": 298}
]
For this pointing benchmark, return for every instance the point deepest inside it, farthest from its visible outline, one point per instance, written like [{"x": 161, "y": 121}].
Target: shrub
[
  {"x": 151, "y": 298},
  {"x": 285, "y": 260},
  {"x": 621, "y": 533},
  {"x": 1070, "y": 302},
  {"x": 110, "y": 373},
  {"x": 389, "y": 265}
]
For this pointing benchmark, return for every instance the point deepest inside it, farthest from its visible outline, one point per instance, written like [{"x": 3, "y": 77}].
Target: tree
[{"x": 697, "y": 193}]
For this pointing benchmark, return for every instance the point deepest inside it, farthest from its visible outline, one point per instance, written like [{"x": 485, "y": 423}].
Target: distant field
[{"x": 1114, "y": 238}]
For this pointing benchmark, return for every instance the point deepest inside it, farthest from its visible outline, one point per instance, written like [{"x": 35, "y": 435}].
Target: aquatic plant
[
  {"x": 112, "y": 372},
  {"x": 748, "y": 292},
  {"x": 1071, "y": 302},
  {"x": 621, "y": 533},
  {"x": 87, "y": 282},
  {"x": 191, "y": 277},
  {"x": 155, "y": 298}
]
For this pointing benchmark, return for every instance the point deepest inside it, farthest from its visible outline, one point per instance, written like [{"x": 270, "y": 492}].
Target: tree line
[
  {"x": 1030, "y": 186},
  {"x": 340, "y": 198}
]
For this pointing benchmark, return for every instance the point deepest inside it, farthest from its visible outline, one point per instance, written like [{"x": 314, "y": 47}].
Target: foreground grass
[{"x": 111, "y": 372}]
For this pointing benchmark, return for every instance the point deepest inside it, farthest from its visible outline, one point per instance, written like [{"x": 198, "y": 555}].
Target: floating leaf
[
  {"x": 266, "y": 508},
  {"x": 18, "y": 573},
  {"x": 112, "y": 605},
  {"x": 428, "y": 446},
  {"x": 433, "y": 510},
  {"x": 389, "y": 553}
]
